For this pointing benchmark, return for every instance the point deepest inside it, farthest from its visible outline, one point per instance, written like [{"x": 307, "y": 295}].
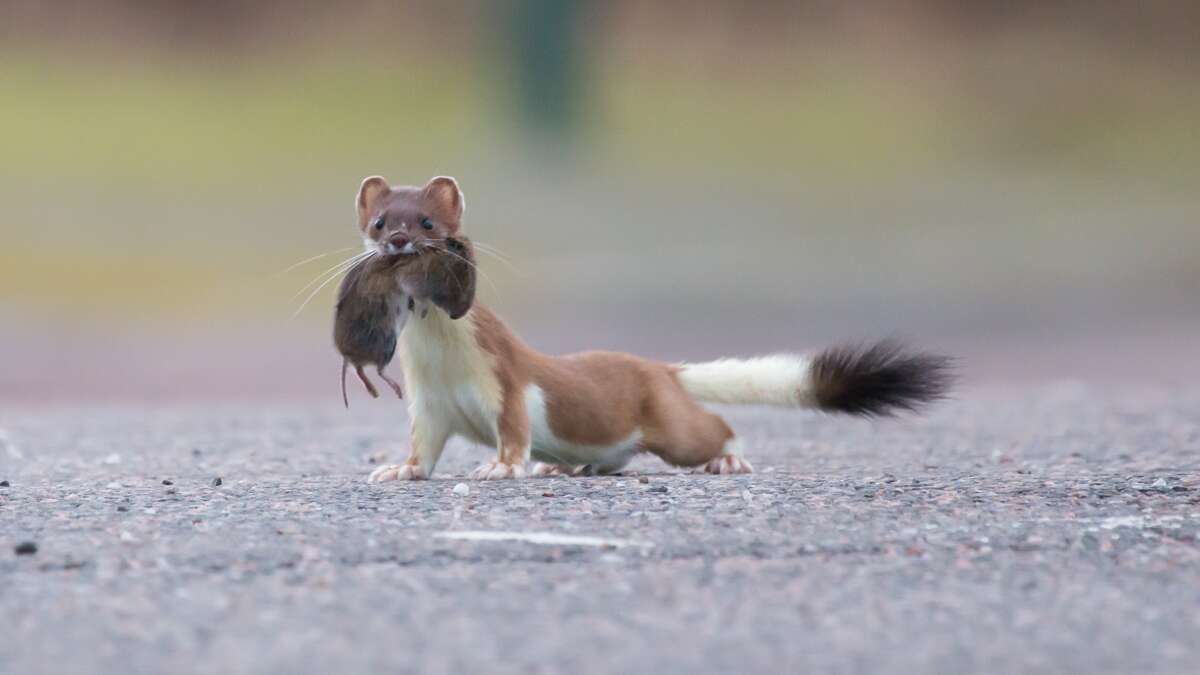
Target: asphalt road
[{"x": 1048, "y": 529}]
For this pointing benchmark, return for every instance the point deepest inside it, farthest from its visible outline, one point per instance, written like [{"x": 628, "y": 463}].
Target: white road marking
[
  {"x": 542, "y": 538},
  {"x": 1114, "y": 522}
]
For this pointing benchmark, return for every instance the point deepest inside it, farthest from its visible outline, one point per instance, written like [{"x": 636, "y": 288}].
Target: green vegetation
[{"x": 166, "y": 189}]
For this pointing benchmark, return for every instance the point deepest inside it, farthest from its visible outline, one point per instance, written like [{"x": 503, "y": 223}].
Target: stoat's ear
[
  {"x": 443, "y": 193},
  {"x": 372, "y": 188}
]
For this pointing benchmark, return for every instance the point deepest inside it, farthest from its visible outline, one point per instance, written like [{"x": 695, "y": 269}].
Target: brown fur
[{"x": 403, "y": 208}]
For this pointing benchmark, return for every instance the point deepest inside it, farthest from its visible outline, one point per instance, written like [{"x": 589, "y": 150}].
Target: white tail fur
[
  {"x": 780, "y": 380},
  {"x": 869, "y": 380}
]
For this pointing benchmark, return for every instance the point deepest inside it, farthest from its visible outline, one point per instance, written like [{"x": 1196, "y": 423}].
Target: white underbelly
[
  {"x": 460, "y": 410},
  {"x": 546, "y": 447},
  {"x": 450, "y": 380}
]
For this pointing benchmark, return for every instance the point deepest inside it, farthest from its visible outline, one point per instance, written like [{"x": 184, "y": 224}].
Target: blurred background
[{"x": 1014, "y": 182}]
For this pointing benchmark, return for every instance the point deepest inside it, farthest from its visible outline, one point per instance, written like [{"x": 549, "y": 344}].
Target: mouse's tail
[{"x": 345, "y": 399}]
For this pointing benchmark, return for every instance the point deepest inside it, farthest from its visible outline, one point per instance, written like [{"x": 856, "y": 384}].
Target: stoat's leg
[
  {"x": 685, "y": 434},
  {"x": 427, "y": 440},
  {"x": 512, "y": 430}
]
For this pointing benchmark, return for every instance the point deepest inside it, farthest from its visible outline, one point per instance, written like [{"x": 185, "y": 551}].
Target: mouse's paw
[
  {"x": 497, "y": 470},
  {"x": 396, "y": 472},
  {"x": 545, "y": 469},
  {"x": 728, "y": 464}
]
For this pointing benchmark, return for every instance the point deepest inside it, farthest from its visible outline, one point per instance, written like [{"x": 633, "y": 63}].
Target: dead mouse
[
  {"x": 370, "y": 313},
  {"x": 377, "y": 297}
]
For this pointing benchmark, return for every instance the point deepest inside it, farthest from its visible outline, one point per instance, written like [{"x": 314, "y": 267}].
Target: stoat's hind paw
[
  {"x": 728, "y": 464},
  {"x": 396, "y": 472},
  {"x": 544, "y": 469},
  {"x": 497, "y": 470}
]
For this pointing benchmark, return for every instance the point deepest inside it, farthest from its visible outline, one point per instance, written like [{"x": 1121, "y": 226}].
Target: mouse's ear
[
  {"x": 443, "y": 192},
  {"x": 372, "y": 188}
]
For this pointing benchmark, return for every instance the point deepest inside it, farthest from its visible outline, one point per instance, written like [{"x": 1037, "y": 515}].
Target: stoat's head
[{"x": 405, "y": 220}]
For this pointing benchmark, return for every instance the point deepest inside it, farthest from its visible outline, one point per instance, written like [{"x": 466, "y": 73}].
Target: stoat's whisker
[
  {"x": 498, "y": 255},
  {"x": 506, "y": 263},
  {"x": 331, "y": 273},
  {"x": 492, "y": 249},
  {"x": 349, "y": 261},
  {"x": 316, "y": 290},
  {"x": 495, "y": 253},
  {"x": 315, "y": 257}
]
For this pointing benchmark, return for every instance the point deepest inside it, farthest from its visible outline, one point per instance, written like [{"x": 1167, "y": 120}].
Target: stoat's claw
[
  {"x": 497, "y": 470},
  {"x": 728, "y": 464},
  {"x": 396, "y": 472},
  {"x": 544, "y": 469}
]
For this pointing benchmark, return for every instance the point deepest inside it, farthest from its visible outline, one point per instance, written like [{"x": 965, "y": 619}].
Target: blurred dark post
[{"x": 547, "y": 62}]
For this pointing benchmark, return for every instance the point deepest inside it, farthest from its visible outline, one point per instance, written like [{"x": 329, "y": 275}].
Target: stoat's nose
[{"x": 398, "y": 240}]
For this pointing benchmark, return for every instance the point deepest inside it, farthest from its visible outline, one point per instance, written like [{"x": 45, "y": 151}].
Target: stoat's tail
[{"x": 880, "y": 379}]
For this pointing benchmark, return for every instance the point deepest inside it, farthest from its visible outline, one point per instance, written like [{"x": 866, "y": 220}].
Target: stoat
[{"x": 592, "y": 412}]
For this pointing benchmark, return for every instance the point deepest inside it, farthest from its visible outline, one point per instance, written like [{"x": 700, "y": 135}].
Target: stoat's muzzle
[{"x": 397, "y": 244}]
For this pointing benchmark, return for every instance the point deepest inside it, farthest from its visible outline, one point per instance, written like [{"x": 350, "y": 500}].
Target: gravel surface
[{"x": 1046, "y": 530}]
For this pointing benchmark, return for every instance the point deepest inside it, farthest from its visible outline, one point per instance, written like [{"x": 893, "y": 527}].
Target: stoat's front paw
[
  {"x": 728, "y": 464},
  {"x": 396, "y": 472},
  {"x": 497, "y": 470}
]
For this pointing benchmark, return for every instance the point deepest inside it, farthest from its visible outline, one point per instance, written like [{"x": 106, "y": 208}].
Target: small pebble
[
  {"x": 171, "y": 491},
  {"x": 643, "y": 479},
  {"x": 167, "y": 482},
  {"x": 195, "y": 452},
  {"x": 25, "y": 548},
  {"x": 122, "y": 508},
  {"x": 3, "y": 483},
  {"x": 217, "y": 481},
  {"x": 547, "y": 493},
  {"x": 462, "y": 489},
  {"x": 661, "y": 489}
]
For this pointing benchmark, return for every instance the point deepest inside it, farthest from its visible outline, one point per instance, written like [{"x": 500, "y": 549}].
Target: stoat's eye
[
  {"x": 378, "y": 223},
  {"x": 426, "y": 224}
]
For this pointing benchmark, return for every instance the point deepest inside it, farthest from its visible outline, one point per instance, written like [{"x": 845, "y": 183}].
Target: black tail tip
[{"x": 879, "y": 380}]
